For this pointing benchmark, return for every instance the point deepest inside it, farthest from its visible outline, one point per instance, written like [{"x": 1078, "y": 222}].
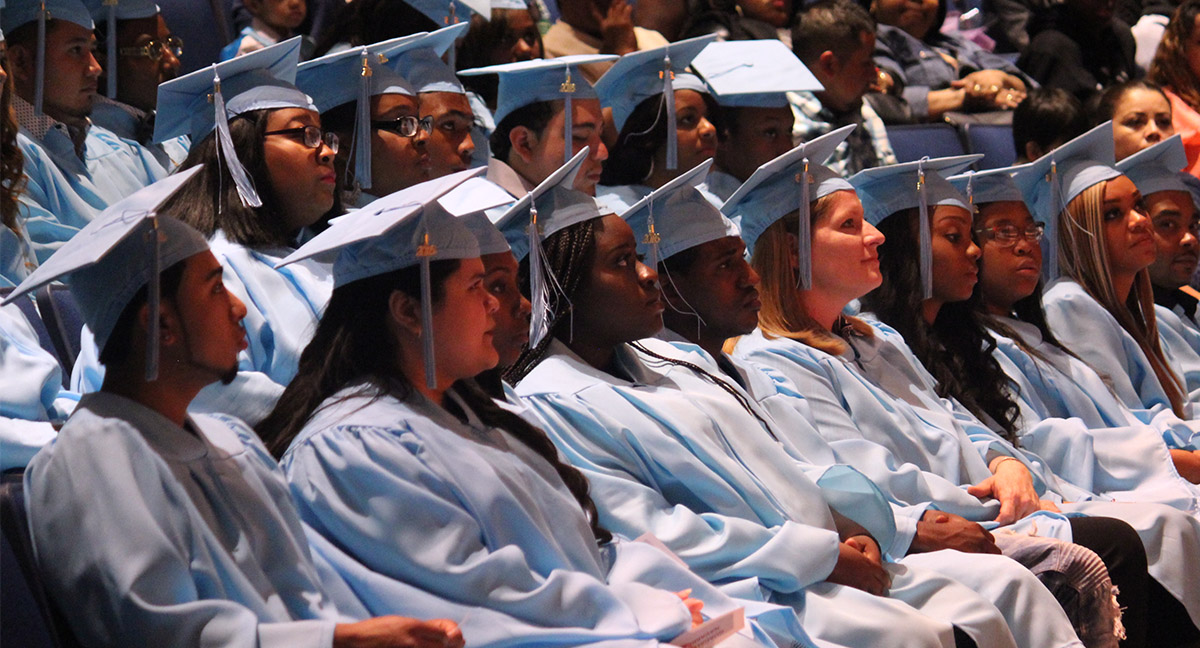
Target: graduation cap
[
  {"x": 637, "y": 76},
  {"x": 753, "y": 73},
  {"x": 22, "y": 12},
  {"x": 110, "y": 11},
  {"x": 451, "y": 12},
  {"x": 357, "y": 74},
  {"x": 414, "y": 226},
  {"x": 677, "y": 216},
  {"x": 126, "y": 247},
  {"x": 786, "y": 184},
  {"x": 528, "y": 82},
  {"x": 1059, "y": 176},
  {"x": 1157, "y": 168},
  {"x": 921, "y": 184},
  {"x": 992, "y": 185},
  {"x": 198, "y": 102},
  {"x": 423, "y": 65}
]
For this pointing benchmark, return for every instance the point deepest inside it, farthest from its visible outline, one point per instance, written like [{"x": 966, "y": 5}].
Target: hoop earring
[{"x": 650, "y": 172}]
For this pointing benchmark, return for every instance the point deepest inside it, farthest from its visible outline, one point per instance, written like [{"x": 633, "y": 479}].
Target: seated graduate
[
  {"x": 879, "y": 407},
  {"x": 74, "y": 169},
  {"x": 749, "y": 81},
  {"x": 415, "y": 477},
  {"x": 1106, "y": 448},
  {"x": 673, "y": 450},
  {"x": 260, "y": 191},
  {"x": 153, "y": 526},
  {"x": 34, "y": 404},
  {"x": 140, "y": 53},
  {"x": 662, "y": 115},
  {"x": 545, "y": 113}
]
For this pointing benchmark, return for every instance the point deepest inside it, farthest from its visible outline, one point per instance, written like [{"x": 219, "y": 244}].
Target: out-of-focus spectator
[
  {"x": 273, "y": 21},
  {"x": 1047, "y": 118},
  {"x": 1081, "y": 47},
  {"x": 1008, "y": 21},
  {"x": 743, "y": 19},
  {"x": 366, "y": 22},
  {"x": 598, "y": 27},
  {"x": 1176, "y": 68},
  {"x": 1140, "y": 114}
]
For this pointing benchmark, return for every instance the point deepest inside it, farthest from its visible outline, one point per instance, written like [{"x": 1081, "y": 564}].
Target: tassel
[
  {"x": 39, "y": 83},
  {"x": 567, "y": 88},
  {"x": 452, "y": 51},
  {"x": 362, "y": 126},
  {"x": 539, "y": 287},
  {"x": 245, "y": 186},
  {"x": 652, "y": 238},
  {"x": 1054, "y": 223},
  {"x": 426, "y": 252},
  {"x": 153, "y": 299},
  {"x": 112, "y": 47},
  {"x": 669, "y": 97},
  {"x": 971, "y": 192},
  {"x": 926, "y": 236},
  {"x": 804, "y": 233}
]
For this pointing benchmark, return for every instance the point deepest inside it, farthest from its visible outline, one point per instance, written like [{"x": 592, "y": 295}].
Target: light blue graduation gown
[
  {"x": 123, "y": 120},
  {"x": 64, "y": 193},
  {"x": 17, "y": 259},
  {"x": 282, "y": 309},
  {"x": 151, "y": 534},
  {"x": 1181, "y": 344},
  {"x": 619, "y": 198},
  {"x": 721, "y": 184},
  {"x": 666, "y": 453},
  {"x": 1092, "y": 333},
  {"x": 32, "y": 399},
  {"x": 407, "y": 495},
  {"x": 890, "y": 411}
]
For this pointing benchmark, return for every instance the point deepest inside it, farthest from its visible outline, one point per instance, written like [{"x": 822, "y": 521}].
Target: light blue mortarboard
[
  {"x": 423, "y": 65},
  {"x": 1157, "y": 168},
  {"x": 790, "y": 182},
  {"x": 197, "y": 103},
  {"x": 1193, "y": 186},
  {"x": 413, "y": 226},
  {"x": 451, "y": 12},
  {"x": 491, "y": 240},
  {"x": 528, "y": 82},
  {"x": 754, "y": 73},
  {"x": 677, "y": 216},
  {"x": 992, "y": 185},
  {"x": 126, "y": 247},
  {"x": 638, "y": 76},
  {"x": 109, "y": 12},
  {"x": 23, "y": 12},
  {"x": 519, "y": 5},
  {"x": 357, "y": 74},
  {"x": 921, "y": 184},
  {"x": 1059, "y": 176}
]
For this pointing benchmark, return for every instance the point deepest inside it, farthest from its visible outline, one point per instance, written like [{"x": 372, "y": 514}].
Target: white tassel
[
  {"x": 426, "y": 252},
  {"x": 153, "y": 299},
  {"x": 804, "y": 233},
  {"x": 362, "y": 126},
  {"x": 652, "y": 239},
  {"x": 539, "y": 287},
  {"x": 926, "y": 236},
  {"x": 245, "y": 186},
  {"x": 669, "y": 97},
  {"x": 568, "y": 89}
]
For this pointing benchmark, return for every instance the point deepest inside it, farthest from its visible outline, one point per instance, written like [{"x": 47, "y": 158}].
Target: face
[
  {"x": 1191, "y": 49},
  {"x": 696, "y": 136},
  {"x": 846, "y": 80},
  {"x": 845, "y": 250},
  {"x": 463, "y": 323},
  {"x": 721, "y": 287},
  {"x": 521, "y": 40},
  {"x": 450, "y": 146},
  {"x": 1141, "y": 118},
  {"x": 1174, "y": 224},
  {"x": 284, "y": 15},
  {"x": 210, "y": 320},
  {"x": 303, "y": 178},
  {"x": 72, "y": 72},
  {"x": 955, "y": 255},
  {"x": 1007, "y": 274},
  {"x": 916, "y": 17},
  {"x": 139, "y": 75},
  {"x": 1126, "y": 229},
  {"x": 772, "y": 12},
  {"x": 397, "y": 162},
  {"x": 545, "y": 151},
  {"x": 620, "y": 301},
  {"x": 760, "y": 135},
  {"x": 512, "y": 318}
]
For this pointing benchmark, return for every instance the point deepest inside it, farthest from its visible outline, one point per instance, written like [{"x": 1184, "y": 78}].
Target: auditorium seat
[{"x": 911, "y": 142}]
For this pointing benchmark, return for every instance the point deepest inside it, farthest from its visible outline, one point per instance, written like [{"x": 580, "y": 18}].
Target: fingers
[{"x": 983, "y": 488}]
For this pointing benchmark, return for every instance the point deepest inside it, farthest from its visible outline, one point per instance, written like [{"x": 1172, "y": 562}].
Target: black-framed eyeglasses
[
  {"x": 312, "y": 137},
  {"x": 407, "y": 126},
  {"x": 1008, "y": 235},
  {"x": 154, "y": 49}
]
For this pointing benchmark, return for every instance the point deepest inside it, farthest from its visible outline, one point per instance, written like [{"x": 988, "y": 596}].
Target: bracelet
[{"x": 1000, "y": 461}]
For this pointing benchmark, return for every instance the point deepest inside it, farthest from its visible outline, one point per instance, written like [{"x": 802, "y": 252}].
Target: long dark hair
[
  {"x": 1170, "y": 68},
  {"x": 210, "y": 201},
  {"x": 957, "y": 348},
  {"x": 12, "y": 180},
  {"x": 350, "y": 347}
]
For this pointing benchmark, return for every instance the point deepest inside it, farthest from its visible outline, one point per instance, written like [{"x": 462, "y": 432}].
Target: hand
[
  {"x": 693, "y": 605},
  {"x": 1187, "y": 463},
  {"x": 860, "y": 565},
  {"x": 1047, "y": 505},
  {"x": 616, "y": 28},
  {"x": 940, "y": 530},
  {"x": 1012, "y": 485},
  {"x": 398, "y": 632},
  {"x": 883, "y": 82}
]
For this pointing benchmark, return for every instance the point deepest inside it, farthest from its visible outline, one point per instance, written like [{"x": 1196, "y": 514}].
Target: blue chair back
[
  {"x": 45, "y": 339},
  {"x": 995, "y": 141},
  {"x": 63, "y": 321},
  {"x": 911, "y": 142}
]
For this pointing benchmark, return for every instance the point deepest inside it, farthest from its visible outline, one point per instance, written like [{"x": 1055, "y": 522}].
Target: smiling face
[
  {"x": 397, "y": 162},
  {"x": 1175, "y": 225},
  {"x": 718, "y": 285},
  {"x": 1141, "y": 118},
  {"x": 1126, "y": 230},
  {"x": 755, "y": 136},
  {"x": 1007, "y": 274},
  {"x": 845, "y": 251},
  {"x": 450, "y": 146},
  {"x": 464, "y": 323},
  {"x": 512, "y": 318},
  {"x": 303, "y": 178},
  {"x": 955, "y": 255},
  {"x": 620, "y": 300},
  {"x": 138, "y": 76}
]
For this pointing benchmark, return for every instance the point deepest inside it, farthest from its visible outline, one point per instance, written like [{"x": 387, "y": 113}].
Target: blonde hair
[
  {"x": 783, "y": 313},
  {"x": 1083, "y": 257}
]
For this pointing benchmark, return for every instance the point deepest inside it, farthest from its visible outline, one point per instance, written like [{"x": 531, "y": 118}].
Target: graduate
[
  {"x": 659, "y": 136},
  {"x": 35, "y": 404},
  {"x": 152, "y": 525},
  {"x": 74, "y": 169},
  {"x": 1050, "y": 381},
  {"x": 415, "y": 477},
  {"x": 672, "y": 451},
  {"x": 545, "y": 113},
  {"x": 17, "y": 259}
]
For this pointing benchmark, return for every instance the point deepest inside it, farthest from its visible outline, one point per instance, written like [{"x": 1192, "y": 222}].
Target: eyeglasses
[
  {"x": 406, "y": 126},
  {"x": 313, "y": 138},
  {"x": 155, "y": 49},
  {"x": 1008, "y": 235}
]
